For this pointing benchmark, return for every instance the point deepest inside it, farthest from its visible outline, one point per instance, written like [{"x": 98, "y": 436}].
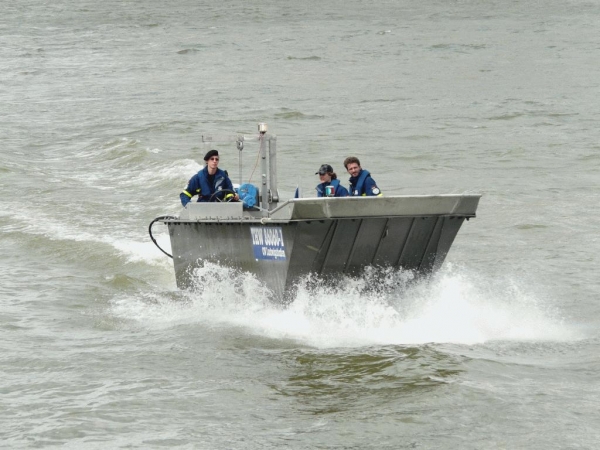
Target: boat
[{"x": 282, "y": 241}]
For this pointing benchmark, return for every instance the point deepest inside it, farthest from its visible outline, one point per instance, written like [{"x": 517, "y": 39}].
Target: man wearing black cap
[
  {"x": 330, "y": 186},
  {"x": 211, "y": 184}
]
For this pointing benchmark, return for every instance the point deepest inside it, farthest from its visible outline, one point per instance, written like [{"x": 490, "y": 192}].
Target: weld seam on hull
[
  {"x": 406, "y": 241},
  {"x": 429, "y": 240}
]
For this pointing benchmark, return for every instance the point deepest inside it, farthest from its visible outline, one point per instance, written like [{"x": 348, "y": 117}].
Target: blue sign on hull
[{"x": 267, "y": 243}]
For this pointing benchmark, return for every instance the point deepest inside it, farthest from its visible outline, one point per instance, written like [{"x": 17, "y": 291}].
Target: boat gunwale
[{"x": 323, "y": 208}]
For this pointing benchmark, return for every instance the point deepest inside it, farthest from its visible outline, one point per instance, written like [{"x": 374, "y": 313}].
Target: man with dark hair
[
  {"x": 211, "y": 184},
  {"x": 361, "y": 183}
]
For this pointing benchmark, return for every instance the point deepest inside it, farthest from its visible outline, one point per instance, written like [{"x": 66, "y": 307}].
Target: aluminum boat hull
[{"x": 321, "y": 236}]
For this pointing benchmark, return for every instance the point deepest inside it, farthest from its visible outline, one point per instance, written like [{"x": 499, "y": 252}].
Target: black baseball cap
[{"x": 325, "y": 168}]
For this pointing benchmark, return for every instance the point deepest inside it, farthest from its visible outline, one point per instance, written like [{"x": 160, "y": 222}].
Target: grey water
[{"x": 103, "y": 108}]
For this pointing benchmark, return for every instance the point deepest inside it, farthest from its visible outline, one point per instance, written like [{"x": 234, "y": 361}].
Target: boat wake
[{"x": 378, "y": 308}]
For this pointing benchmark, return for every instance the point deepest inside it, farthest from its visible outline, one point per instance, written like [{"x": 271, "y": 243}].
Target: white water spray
[{"x": 452, "y": 307}]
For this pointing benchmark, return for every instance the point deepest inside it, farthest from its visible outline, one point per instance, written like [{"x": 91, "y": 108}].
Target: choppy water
[{"x": 103, "y": 109}]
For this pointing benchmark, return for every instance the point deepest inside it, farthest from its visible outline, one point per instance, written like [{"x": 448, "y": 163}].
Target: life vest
[
  {"x": 206, "y": 190},
  {"x": 321, "y": 188},
  {"x": 359, "y": 188}
]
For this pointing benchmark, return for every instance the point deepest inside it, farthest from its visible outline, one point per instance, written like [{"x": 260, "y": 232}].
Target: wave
[
  {"x": 453, "y": 307},
  {"x": 62, "y": 228}
]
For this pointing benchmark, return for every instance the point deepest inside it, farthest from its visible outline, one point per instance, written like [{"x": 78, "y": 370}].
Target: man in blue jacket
[
  {"x": 211, "y": 184},
  {"x": 361, "y": 183},
  {"x": 330, "y": 186}
]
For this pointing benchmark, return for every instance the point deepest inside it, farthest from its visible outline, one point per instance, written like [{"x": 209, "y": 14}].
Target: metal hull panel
[
  {"x": 228, "y": 244},
  {"x": 324, "y": 247}
]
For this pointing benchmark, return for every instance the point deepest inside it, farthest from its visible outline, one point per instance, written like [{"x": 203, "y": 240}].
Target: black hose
[{"x": 152, "y": 237}]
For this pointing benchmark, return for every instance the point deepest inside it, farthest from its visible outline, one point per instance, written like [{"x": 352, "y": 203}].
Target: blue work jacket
[
  {"x": 363, "y": 185},
  {"x": 338, "y": 189},
  {"x": 199, "y": 185}
]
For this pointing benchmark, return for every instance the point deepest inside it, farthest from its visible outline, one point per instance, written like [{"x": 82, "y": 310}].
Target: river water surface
[{"x": 104, "y": 105}]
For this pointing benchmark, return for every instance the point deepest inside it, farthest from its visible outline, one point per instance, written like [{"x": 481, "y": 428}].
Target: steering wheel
[{"x": 223, "y": 196}]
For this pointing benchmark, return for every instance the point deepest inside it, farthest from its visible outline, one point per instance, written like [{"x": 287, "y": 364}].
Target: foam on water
[
  {"x": 66, "y": 229},
  {"x": 453, "y": 307}
]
